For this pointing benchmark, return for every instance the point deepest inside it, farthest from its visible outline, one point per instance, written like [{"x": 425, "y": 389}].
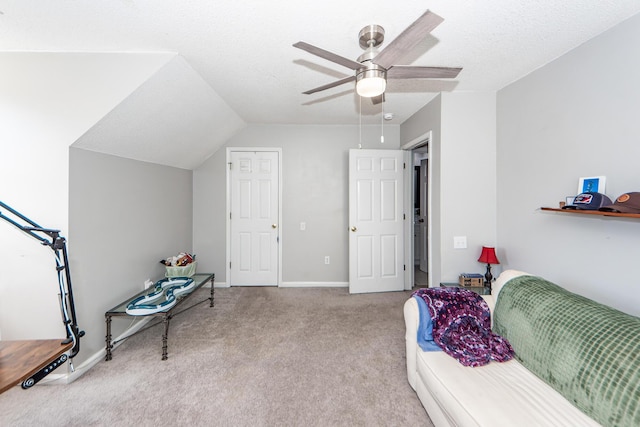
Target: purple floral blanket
[{"x": 462, "y": 326}]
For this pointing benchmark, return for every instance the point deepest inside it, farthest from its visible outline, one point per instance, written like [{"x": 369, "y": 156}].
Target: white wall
[
  {"x": 462, "y": 157},
  {"x": 174, "y": 118},
  {"x": 575, "y": 117},
  {"x": 47, "y": 100},
  {"x": 125, "y": 216},
  {"x": 315, "y": 191}
]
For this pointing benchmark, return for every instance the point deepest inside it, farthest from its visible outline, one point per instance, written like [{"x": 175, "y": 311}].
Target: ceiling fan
[{"x": 373, "y": 67}]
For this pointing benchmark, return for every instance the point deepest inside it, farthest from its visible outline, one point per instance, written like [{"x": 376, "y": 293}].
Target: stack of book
[{"x": 471, "y": 280}]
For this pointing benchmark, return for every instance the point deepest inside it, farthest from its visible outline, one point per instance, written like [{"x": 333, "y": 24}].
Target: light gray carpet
[{"x": 260, "y": 357}]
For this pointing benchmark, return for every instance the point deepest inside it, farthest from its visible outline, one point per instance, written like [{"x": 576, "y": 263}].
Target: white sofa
[{"x": 497, "y": 394}]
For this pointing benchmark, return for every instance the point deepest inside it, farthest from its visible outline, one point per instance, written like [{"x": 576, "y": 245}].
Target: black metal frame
[
  {"x": 165, "y": 316},
  {"x": 57, "y": 243}
]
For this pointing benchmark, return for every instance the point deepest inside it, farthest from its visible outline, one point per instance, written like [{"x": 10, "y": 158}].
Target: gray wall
[
  {"x": 576, "y": 117},
  {"x": 315, "y": 191},
  {"x": 429, "y": 118},
  {"x": 462, "y": 158},
  {"x": 49, "y": 99},
  {"x": 125, "y": 216}
]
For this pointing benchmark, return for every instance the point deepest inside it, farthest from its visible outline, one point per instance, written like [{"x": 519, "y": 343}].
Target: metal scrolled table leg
[
  {"x": 108, "y": 338},
  {"x": 165, "y": 336},
  {"x": 212, "y": 288}
]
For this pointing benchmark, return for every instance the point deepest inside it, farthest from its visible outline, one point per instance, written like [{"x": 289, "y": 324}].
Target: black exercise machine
[{"x": 51, "y": 238}]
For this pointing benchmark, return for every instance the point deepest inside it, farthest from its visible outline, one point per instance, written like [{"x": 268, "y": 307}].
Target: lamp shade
[
  {"x": 488, "y": 256},
  {"x": 371, "y": 86},
  {"x": 371, "y": 81}
]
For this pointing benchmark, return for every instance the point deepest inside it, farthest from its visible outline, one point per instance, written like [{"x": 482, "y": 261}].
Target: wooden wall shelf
[{"x": 597, "y": 213}]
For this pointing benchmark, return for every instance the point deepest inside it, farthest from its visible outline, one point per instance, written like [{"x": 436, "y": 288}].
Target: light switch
[
  {"x": 460, "y": 242},
  {"x": 303, "y": 226}
]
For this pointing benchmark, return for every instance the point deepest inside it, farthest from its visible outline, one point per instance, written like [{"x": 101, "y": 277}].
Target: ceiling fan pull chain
[
  {"x": 360, "y": 122},
  {"x": 382, "y": 123}
]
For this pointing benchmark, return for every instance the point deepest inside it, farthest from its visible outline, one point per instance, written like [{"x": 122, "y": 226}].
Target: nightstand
[{"x": 477, "y": 289}]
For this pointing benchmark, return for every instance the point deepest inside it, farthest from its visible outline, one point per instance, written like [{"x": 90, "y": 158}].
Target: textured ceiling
[{"x": 242, "y": 49}]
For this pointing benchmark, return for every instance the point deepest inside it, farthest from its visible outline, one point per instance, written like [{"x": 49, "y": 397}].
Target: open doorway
[
  {"x": 420, "y": 156},
  {"x": 419, "y": 205}
]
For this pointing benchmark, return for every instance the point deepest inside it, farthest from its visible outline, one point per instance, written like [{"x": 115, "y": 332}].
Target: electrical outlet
[
  {"x": 460, "y": 242},
  {"x": 327, "y": 260}
]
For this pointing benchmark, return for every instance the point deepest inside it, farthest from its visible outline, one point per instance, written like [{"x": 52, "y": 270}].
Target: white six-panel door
[
  {"x": 376, "y": 254},
  {"x": 254, "y": 218}
]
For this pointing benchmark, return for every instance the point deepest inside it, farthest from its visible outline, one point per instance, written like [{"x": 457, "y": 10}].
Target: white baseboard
[
  {"x": 298, "y": 285},
  {"x": 314, "y": 284},
  {"x": 78, "y": 371}
]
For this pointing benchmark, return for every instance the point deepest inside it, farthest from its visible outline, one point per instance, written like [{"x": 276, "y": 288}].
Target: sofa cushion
[
  {"x": 588, "y": 352},
  {"x": 495, "y": 395}
]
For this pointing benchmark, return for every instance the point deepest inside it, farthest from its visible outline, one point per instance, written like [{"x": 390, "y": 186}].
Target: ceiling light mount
[{"x": 371, "y": 36}]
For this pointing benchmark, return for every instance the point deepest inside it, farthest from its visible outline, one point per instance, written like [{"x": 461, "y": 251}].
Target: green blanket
[{"x": 588, "y": 352}]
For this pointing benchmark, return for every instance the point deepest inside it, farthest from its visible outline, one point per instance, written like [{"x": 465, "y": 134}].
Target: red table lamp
[{"x": 488, "y": 256}]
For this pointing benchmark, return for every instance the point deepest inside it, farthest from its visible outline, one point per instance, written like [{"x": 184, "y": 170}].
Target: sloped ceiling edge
[{"x": 174, "y": 118}]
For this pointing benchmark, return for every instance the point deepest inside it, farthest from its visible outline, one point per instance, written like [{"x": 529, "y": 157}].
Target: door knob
[
  {"x": 273, "y": 226},
  {"x": 354, "y": 228},
  {"x": 421, "y": 220}
]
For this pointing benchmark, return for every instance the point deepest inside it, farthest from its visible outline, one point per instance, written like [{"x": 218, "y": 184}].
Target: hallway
[{"x": 420, "y": 278}]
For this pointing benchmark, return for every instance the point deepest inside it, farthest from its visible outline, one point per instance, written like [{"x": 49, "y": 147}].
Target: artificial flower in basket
[{"x": 181, "y": 265}]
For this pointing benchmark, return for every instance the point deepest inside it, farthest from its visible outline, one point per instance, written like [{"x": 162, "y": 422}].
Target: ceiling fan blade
[
  {"x": 408, "y": 39},
  {"x": 330, "y": 85},
  {"x": 328, "y": 55},
  {"x": 377, "y": 99},
  {"x": 418, "y": 72}
]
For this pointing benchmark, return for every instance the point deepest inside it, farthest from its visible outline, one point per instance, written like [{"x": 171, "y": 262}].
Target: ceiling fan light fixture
[
  {"x": 371, "y": 81},
  {"x": 371, "y": 67}
]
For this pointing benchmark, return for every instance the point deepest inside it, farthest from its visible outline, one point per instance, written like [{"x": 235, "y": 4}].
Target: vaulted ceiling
[{"x": 236, "y": 57}]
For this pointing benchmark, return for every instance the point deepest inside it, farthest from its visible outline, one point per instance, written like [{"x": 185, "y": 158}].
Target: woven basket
[{"x": 186, "y": 271}]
